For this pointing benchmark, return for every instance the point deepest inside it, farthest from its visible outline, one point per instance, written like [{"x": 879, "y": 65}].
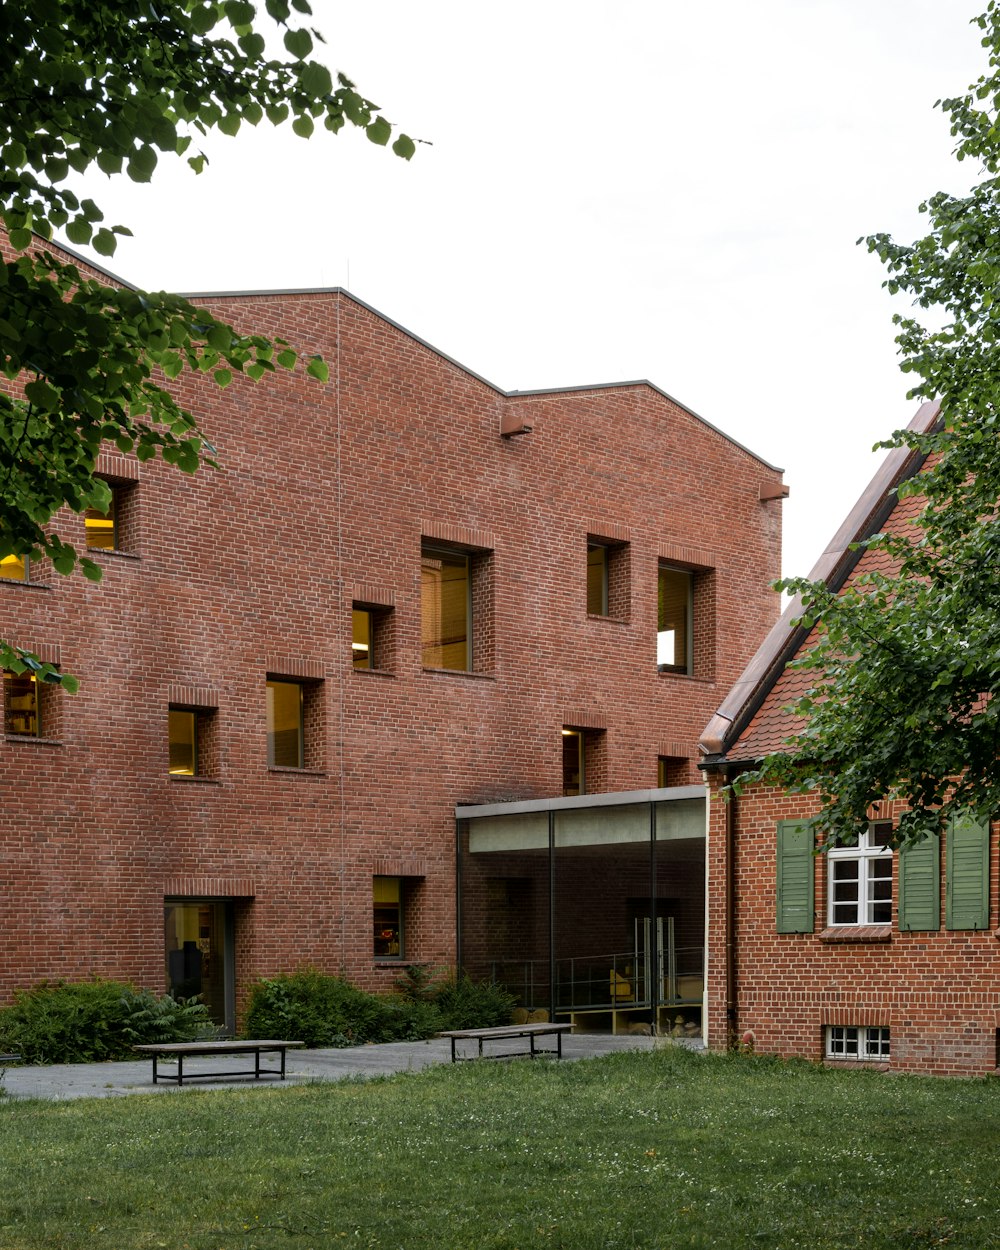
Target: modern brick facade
[
  {"x": 225, "y": 580},
  {"x": 932, "y": 982}
]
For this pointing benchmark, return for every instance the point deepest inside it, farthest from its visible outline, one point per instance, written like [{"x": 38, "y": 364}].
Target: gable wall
[{"x": 322, "y": 498}]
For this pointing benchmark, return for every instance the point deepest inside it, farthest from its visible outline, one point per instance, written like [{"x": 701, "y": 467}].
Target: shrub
[
  {"x": 82, "y": 1022},
  {"x": 467, "y": 1004},
  {"x": 308, "y": 1006}
]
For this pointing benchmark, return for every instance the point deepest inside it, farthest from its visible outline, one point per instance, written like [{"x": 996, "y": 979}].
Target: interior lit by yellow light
[{"x": 13, "y": 567}]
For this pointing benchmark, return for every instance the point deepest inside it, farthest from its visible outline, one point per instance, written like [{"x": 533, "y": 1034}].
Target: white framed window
[
  {"x": 856, "y": 1042},
  {"x": 860, "y": 879}
]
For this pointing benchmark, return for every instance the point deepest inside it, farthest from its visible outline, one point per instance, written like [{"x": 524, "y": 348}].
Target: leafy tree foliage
[
  {"x": 906, "y": 669},
  {"x": 87, "y": 83}
]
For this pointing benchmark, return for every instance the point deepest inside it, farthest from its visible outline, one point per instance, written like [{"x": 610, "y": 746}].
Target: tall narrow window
[
  {"x": 362, "y": 650},
  {"x": 573, "y": 762},
  {"x": 183, "y": 734},
  {"x": 102, "y": 527},
  {"x": 14, "y": 568},
  {"x": 21, "y": 705},
  {"x": 673, "y": 625},
  {"x": 387, "y": 913},
  {"x": 285, "y": 737},
  {"x": 597, "y": 579},
  {"x": 446, "y": 609}
]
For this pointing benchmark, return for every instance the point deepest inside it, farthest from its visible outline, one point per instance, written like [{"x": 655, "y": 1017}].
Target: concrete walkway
[{"x": 115, "y": 1080}]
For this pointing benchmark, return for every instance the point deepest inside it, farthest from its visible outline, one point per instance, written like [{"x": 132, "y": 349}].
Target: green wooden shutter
[
  {"x": 968, "y": 874},
  {"x": 796, "y": 871},
  {"x": 920, "y": 885}
]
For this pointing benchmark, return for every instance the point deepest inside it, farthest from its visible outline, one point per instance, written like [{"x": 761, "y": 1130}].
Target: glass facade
[{"x": 594, "y": 913}]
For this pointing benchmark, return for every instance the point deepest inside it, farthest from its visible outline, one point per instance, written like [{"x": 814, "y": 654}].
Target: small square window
[
  {"x": 671, "y": 770},
  {"x": 387, "y": 912},
  {"x": 14, "y": 568},
  {"x": 21, "y": 705}
]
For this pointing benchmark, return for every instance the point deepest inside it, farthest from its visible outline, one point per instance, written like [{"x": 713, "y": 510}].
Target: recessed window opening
[
  {"x": 860, "y": 879},
  {"x": 102, "y": 527},
  {"x": 387, "y": 915},
  {"x": 855, "y": 1042},
  {"x": 674, "y": 620},
  {"x": 21, "y": 707},
  {"x": 597, "y": 579},
  {"x": 183, "y": 737},
  {"x": 362, "y": 649},
  {"x": 285, "y": 735},
  {"x": 573, "y": 762},
  {"x": 14, "y": 568},
  {"x": 446, "y": 609}
]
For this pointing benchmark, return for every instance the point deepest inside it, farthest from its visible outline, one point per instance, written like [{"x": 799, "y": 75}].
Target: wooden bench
[
  {"x": 182, "y": 1050},
  {"x": 506, "y": 1032}
]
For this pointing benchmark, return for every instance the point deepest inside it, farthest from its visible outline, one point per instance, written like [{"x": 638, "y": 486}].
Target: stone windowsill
[
  {"x": 459, "y": 672},
  {"x": 296, "y": 772},
  {"x": 377, "y": 672},
  {"x": 26, "y": 738},
  {"x": 199, "y": 780},
  {"x": 845, "y": 933}
]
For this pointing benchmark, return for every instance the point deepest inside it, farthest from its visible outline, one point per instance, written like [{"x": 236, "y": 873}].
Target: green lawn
[{"x": 659, "y": 1149}]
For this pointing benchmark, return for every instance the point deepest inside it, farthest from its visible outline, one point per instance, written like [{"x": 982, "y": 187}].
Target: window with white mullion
[
  {"x": 861, "y": 879},
  {"x": 854, "y": 1042}
]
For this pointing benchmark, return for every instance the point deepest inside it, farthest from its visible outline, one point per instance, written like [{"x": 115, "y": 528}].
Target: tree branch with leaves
[
  {"x": 87, "y": 83},
  {"x": 906, "y": 669}
]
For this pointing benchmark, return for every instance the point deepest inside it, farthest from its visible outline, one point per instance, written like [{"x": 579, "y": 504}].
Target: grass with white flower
[{"x": 656, "y": 1150}]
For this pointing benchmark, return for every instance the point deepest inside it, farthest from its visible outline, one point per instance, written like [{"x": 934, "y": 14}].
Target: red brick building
[
  {"x": 404, "y": 590},
  {"x": 862, "y": 954}
]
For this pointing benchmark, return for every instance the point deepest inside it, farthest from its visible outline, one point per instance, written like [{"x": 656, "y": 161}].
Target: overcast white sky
[{"x": 641, "y": 189}]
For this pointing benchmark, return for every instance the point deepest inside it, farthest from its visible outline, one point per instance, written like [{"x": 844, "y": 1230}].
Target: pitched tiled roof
[{"x": 752, "y": 720}]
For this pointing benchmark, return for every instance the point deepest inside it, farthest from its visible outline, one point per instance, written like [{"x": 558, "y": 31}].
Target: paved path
[{"x": 115, "y": 1080}]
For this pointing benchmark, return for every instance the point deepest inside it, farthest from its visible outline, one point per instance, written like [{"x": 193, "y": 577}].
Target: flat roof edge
[{"x": 622, "y": 798}]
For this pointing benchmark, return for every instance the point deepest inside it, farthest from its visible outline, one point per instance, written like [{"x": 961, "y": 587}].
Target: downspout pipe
[{"x": 732, "y": 1019}]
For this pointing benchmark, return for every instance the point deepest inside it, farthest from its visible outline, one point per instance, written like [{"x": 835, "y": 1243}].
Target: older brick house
[
  {"x": 403, "y": 591},
  {"x": 863, "y": 954}
]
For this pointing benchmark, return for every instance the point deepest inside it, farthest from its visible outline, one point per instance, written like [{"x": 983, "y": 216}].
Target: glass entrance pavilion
[{"x": 589, "y": 908}]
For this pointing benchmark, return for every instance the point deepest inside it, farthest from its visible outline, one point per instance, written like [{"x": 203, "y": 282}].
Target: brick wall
[
  {"x": 937, "y": 992},
  {"x": 323, "y": 497}
]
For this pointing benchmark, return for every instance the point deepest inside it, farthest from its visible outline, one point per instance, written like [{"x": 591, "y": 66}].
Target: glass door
[{"x": 199, "y": 950}]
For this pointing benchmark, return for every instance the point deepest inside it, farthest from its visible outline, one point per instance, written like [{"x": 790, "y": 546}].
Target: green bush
[
  {"x": 466, "y": 1004},
  {"x": 80, "y": 1022},
  {"x": 320, "y": 1010},
  {"x": 311, "y": 1007}
]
